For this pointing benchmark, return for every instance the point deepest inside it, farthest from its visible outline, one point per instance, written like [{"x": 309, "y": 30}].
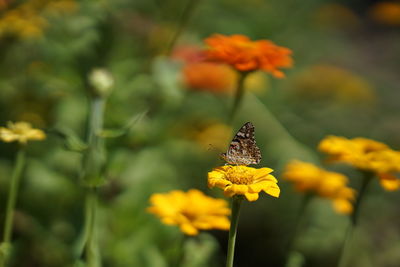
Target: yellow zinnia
[
  {"x": 21, "y": 132},
  {"x": 243, "y": 180},
  {"x": 309, "y": 178},
  {"x": 191, "y": 211},
  {"x": 366, "y": 155}
]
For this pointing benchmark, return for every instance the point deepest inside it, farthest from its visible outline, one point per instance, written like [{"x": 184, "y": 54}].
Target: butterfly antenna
[{"x": 212, "y": 148}]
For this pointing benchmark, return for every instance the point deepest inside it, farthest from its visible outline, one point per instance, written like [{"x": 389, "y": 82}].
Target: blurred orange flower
[
  {"x": 208, "y": 76},
  {"x": 386, "y": 13},
  {"x": 188, "y": 53},
  {"x": 246, "y": 55}
]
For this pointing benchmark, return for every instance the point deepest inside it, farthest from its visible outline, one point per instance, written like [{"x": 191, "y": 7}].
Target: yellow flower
[
  {"x": 366, "y": 155},
  {"x": 243, "y": 180},
  {"x": 215, "y": 134},
  {"x": 309, "y": 178},
  {"x": 333, "y": 84},
  {"x": 27, "y": 20},
  {"x": 389, "y": 182},
  {"x": 21, "y": 132},
  {"x": 62, "y": 6},
  {"x": 336, "y": 16},
  {"x": 191, "y": 211}
]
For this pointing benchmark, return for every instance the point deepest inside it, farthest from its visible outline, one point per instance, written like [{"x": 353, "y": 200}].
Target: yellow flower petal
[
  {"x": 191, "y": 211},
  {"x": 389, "y": 182},
  {"x": 273, "y": 191},
  {"x": 189, "y": 229},
  {"x": 308, "y": 178},
  {"x": 342, "y": 206},
  {"x": 251, "y": 196},
  {"x": 21, "y": 132}
]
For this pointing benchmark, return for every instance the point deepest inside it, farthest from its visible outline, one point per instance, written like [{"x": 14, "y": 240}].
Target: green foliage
[{"x": 148, "y": 143}]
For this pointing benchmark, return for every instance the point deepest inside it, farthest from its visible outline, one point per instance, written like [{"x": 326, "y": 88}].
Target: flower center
[
  {"x": 240, "y": 176},
  {"x": 190, "y": 215}
]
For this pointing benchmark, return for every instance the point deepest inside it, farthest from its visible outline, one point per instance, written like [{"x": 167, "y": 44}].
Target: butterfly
[{"x": 243, "y": 149}]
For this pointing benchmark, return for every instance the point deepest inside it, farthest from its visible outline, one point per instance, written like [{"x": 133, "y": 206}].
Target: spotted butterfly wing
[{"x": 243, "y": 149}]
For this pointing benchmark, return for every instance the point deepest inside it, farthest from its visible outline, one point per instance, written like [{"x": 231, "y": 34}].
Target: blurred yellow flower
[
  {"x": 191, "y": 211},
  {"x": 309, "y": 178},
  {"x": 386, "y": 12},
  {"x": 331, "y": 83},
  {"x": 243, "y": 180},
  {"x": 62, "y": 6},
  {"x": 27, "y": 20},
  {"x": 336, "y": 16},
  {"x": 22, "y": 22},
  {"x": 366, "y": 155},
  {"x": 215, "y": 134},
  {"x": 21, "y": 132},
  {"x": 257, "y": 82}
]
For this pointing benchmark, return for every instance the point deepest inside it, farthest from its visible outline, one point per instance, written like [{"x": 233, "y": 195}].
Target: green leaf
[
  {"x": 113, "y": 133},
  {"x": 71, "y": 141}
]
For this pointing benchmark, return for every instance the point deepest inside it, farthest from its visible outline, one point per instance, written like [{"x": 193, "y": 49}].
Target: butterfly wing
[{"x": 243, "y": 149}]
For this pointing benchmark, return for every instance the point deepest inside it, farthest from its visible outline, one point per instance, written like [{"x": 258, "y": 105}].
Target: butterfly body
[{"x": 243, "y": 149}]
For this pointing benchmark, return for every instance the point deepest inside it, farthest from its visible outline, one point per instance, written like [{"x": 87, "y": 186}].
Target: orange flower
[
  {"x": 247, "y": 55},
  {"x": 208, "y": 76},
  {"x": 387, "y": 13},
  {"x": 188, "y": 53}
]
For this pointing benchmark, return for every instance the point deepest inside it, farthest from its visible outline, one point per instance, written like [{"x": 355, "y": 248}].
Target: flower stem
[
  {"x": 183, "y": 21},
  {"x": 298, "y": 223},
  {"x": 238, "y": 96},
  {"x": 346, "y": 247},
  {"x": 236, "y": 202},
  {"x": 91, "y": 252},
  {"x": 12, "y": 198},
  {"x": 12, "y": 195},
  {"x": 93, "y": 162},
  {"x": 361, "y": 194}
]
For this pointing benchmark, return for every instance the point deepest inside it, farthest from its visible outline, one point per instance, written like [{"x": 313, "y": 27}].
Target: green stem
[
  {"x": 238, "y": 96},
  {"x": 96, "y": 122},
  {"x": 5, "y": 246},
  {"x": 91, "y": 251},
  {"x": 180, "y": 254},
  {"x": 92, "y": 169},
  {"x": 346, "y": 247},
  {"x": 298, "y": 223},
  {"x": 236, "y": 202},
  {"x": 361, "y": 194},
  {"x": 183, "y": 21},
  {"x": 12, "y": 195}
]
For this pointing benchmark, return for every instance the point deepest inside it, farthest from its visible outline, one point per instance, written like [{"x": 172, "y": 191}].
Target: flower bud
[{"x": 101, "y": 82}]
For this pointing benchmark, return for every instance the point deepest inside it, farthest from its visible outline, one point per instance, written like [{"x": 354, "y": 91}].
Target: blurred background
[{"x": 345, "y": 81}]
